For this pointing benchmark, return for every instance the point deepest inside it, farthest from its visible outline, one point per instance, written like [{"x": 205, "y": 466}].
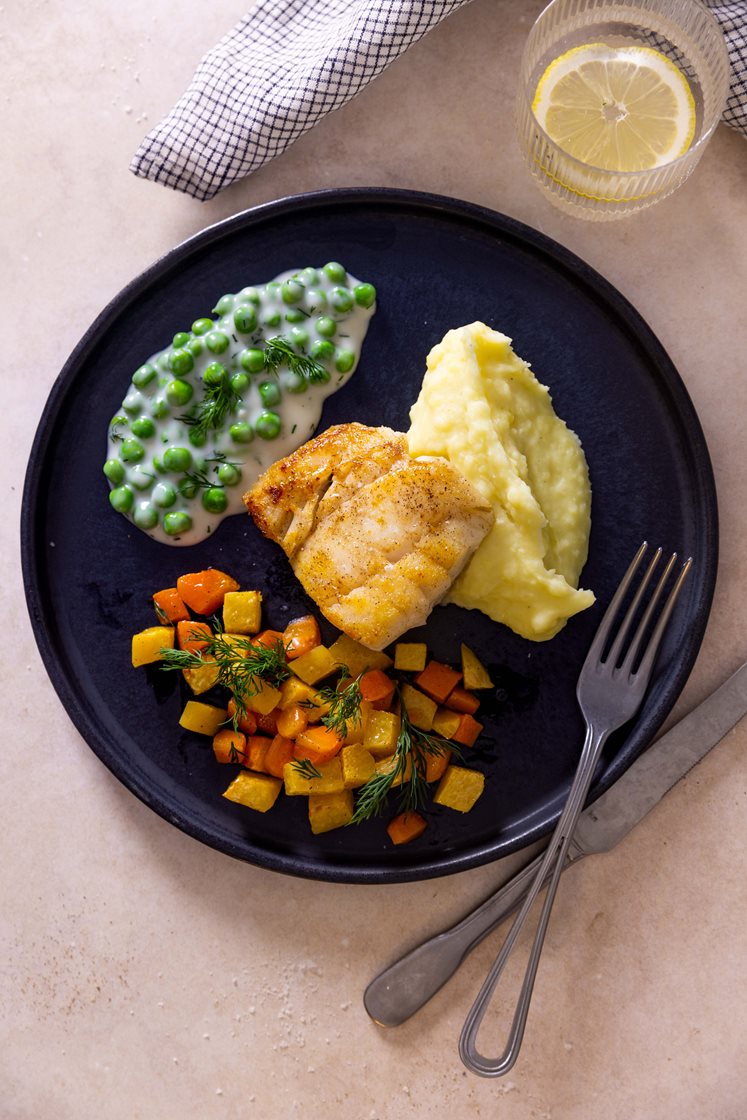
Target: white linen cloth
[{"x": 288, "y": 63}]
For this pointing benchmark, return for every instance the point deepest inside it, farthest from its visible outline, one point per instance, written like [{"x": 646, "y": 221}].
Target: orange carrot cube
[
  {"x": 188, "y": 636},
  {"x": 229, "y": 746},
  {"x": 318, "y": 744},
  {"x": 300, "y": 636},
  {"x": 406, "y": 827},
  {"x": 257, "y": 747},
  {"x": 460, "y": 700},
  {"x": 468, "y": 731},
  {"x": 291, "y": 721},
  {"x": 438, "y": 680},
  {"x": 170, "y": 606},
  {"x": 246, "y": 721},
  {"x": 377, "y": 688},
  {"x": 203, "y": 592}
]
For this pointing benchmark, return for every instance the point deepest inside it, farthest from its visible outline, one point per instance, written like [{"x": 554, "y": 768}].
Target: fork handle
[{"x": 551, "y": 866}]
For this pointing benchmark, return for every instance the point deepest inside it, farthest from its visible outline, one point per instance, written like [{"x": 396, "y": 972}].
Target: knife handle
[{"x": 402, "y": 988}]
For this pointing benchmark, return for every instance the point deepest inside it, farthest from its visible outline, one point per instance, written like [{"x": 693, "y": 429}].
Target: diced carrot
[
  {"x": 229, "y": 746},
  {"x": 438, "y": 680},
  {"x": 170, "y": 606},
  {"x": 301, "y": 635},
  {"x": 257, "y": 747},
  {"x": 318, "y": 744},
  {"x": 406, "y": 827},
  {"x": 460, "y": 700},
  {"x": 435, "y": 765},
  {"x": 468, "y": 731},
  {"x": 188, "y": 635},
  {"x": 292, "y": 720},
  {"x": 268, "y": 723},
  {"x": 268, "y": 638},
  {"x": 279, "y": 752},
  {"x": 203, "y": 592},
  {"x": 377, "y": 688},
  {"x": 246, "y": 722}
]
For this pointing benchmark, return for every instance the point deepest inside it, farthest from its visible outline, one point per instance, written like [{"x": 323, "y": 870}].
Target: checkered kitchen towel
[{"x": 289, "y": 62}]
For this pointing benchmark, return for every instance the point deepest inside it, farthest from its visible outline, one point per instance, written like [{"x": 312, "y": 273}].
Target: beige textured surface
[{"x": 144, "y": 976}]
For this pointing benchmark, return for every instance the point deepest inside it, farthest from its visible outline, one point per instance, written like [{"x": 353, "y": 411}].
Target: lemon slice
[{"x": 616, "y": 108}]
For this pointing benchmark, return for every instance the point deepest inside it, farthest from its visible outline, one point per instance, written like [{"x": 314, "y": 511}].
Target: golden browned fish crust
[{"x": 375, "y": 536}]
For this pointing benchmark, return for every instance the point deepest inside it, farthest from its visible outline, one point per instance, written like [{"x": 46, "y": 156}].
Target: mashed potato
[{"x": 482, "y": 408}]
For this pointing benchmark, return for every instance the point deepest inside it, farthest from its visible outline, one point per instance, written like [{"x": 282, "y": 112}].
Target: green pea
[
  {"x": 252, "y": 360},
  {"x": 144, "y": 375},
  {"x": 122, "y": 498},
  {"x": 322, "y": 350},
  {"x": 187, "y": 487},
  {"x": 215, "y": 375},
  {"x": 163, "y": 363},
  {"x": 326, "y": 326},
  {"x": 229, "y": 474},
  {"x": 176, "y": 523},
  {"x": 365, "y": 295},
  {"x": 179, "y": 392},
  {"x": 310, "y": 276},
  {"x": 195, "y": 347},
  {"x": 143, "y": 427},
  {"x": 224, "y": 305},
  {"x": 119, "y": 421},
  {"x": 341, "y": 299},
  {"x": 295, "y": 383},
  {"x": 245, "y": 319},
  {"x": 268, "y": 425},
  {"x": 316, "y": 299},
  {"x": 272, "y": 318},
  {"x": 140, "y": 479},
  {"x": 299, "y": 338},
  {"x": 214, "y": 499},
  {"x": 202, "y": 326},
  {"x": 272, "y": 288},
  {"x": 269, "y": 393},
  {"x": 132, "y": 404},
  {"x": 295, "y": 315},
  {"x": 197, "y": 437},
  {"x": 292, "y": 291},
  {"x": 249, "y": 295},
  {"x": 181, "y": 338},
  {"x": 114, "y": 471},
  {"x": 217, "y": 342},
  {"x": 344, "y": 360},
  {"x": 241, "y": 432},
  {"x": 336, "y": 272},
  {"x": 239, "y": 383},
  {"x": 145, "y": 515},
  {"x": 131, "y": 450},
  {"x": 159, "y": 409},
  {"x": 177, "y": 458},
  {"x": 164, "y": 495},
  {"x": 158, "y": 465}
]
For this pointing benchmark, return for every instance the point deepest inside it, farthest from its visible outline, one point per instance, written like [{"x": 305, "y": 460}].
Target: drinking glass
[{"x": 682, "y": 30}]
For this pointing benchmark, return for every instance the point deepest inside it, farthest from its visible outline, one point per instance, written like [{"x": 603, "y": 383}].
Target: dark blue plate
[{"x": 436, "y": 263}]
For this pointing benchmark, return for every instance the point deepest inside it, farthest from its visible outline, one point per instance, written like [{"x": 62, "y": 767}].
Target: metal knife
[{"x": 402, "y": 988}]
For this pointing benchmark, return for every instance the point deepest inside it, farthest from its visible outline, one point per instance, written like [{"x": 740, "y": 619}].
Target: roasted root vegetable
[
  {"x": 315, "y": 665},
  {"x": 357, "y": 658},
  {"x": 147, "y": 646},
  {"x": 193, "y": 636},
  {"x": 330, "y": 810},
  {"x": 328, "y": 779},
  {"x": 437, "y": 681},
  {"x": 242, "y": 611},
  {"x": 410, "y": 657},
  {"x": 318, "y": 744},
  {"x": 377, "y": 688},
  {"x": 255, "y": 791},
  {"x": 203, "y": 592},
  {"x": 230, "y": 746},
  {"x": 406, "y": 827},
  {"x": 460, "y": 700},
  {"x": 420, "y": 708},
  {"x": 475, "y": 675},
  {"x": 204, "y": 719},
  {"x": 468, "y": 731},
  {"x": 358, "y": 765},
  {"x": 300, "y": 636},
  {"x": 170, "y": 607},
  {"x": 459, "y": 788}
]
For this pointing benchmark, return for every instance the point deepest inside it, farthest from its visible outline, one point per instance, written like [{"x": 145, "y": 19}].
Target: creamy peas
[{"x": 203, "y": 418}]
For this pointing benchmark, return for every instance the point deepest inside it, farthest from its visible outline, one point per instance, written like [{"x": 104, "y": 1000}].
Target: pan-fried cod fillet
[{"x": 375, "y": 536}]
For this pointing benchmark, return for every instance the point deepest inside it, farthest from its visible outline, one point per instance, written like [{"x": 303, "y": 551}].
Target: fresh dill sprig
[
  {"x": 345, "y": 705},
  {"x": 409, "y": 765},
  {"x": 243, "y": 666},
  {"x": 306, "y": 768},
  {"x": 278, "y": 352},
  {"x": 212, "y": 410}
]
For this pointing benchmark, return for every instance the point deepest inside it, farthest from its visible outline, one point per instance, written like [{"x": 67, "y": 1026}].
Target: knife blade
[{"x": 407, "y": 984}]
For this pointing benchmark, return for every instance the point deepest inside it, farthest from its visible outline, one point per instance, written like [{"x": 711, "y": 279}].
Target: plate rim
[{"x": 297, "y": 864}]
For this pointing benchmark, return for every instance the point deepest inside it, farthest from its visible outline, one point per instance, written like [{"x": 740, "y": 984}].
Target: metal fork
[{"x": 609, "y": 693}]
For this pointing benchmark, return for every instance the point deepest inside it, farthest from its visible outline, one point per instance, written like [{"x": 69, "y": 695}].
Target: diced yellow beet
[
  {"x": 459, "y": 788},
  {"x": 264, "y": 700},
  {"x": 330, "y": 810},
  {"x": 203, "y": 677},
  {"x": 147, "y": 645},
  {"x": 315, "y": 665},
  {"x": 297, "y": 785},
  {"x": 356, "y": 657},
  {"x": 410, "y": 656},
  {"x": 382, "y": 732},
  {"x": 293, "y": 691},
  {"x": 204, "y": 719},
  {"x": 235, "y": 639},
  {"x": 420, "y": 708},
  {"x": 255, "y": 791},
  {"x": 474, "y": 673},
  {"x": 242, "y": 611},
  {"x": 446, "y": 722},
  {"x": 435, "y": 765},
  {"x": 358, "y": 765},
  {"x": 386, "y": 765},
  {"x": 357, "y": 727}
]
